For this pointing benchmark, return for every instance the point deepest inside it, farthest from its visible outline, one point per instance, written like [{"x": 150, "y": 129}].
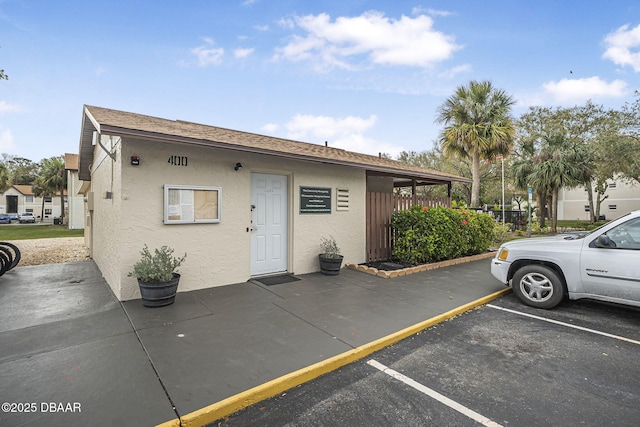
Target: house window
[
  {"x": 185, "y": 204},
  {"x": 613, "y": 207},
  {"x": 28, "y": 199},
  {"x": 342, "y": 199},
  {"x": 47, "y": 211},
  {"x": 612, "y": 185},
  {"x": 586, "y": 208},
  {"x": 47, "y": 199},
  {"x": 29, "y": 210}
]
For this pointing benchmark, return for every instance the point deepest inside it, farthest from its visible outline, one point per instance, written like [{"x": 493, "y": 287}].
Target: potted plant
[
  {"x": 330, "y": 258},
  {"x": 157, "y": 276}
]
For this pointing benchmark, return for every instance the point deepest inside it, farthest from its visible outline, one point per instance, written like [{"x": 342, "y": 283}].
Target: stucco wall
[
  {"x": 625, "y": 197},
  {"x": 75, "y": 201},
  {"x": 105, "y": 224},
  {"x": 347, "y": 227},
  {"x": 217, "y": 254}
]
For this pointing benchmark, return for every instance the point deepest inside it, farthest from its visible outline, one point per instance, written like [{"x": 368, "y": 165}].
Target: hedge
[{"x": 423, "y": 234}]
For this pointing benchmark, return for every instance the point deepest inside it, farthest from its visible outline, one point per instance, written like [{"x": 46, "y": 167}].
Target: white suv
[
  {"x": 27, "y": 217},
  {"x": 603, "y": 264}
]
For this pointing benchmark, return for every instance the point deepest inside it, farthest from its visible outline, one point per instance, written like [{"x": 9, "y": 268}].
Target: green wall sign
[{"x": 315, "y": 200}]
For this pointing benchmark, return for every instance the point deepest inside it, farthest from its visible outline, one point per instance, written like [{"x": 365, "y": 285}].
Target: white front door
[{"x": 268, "y": 223}]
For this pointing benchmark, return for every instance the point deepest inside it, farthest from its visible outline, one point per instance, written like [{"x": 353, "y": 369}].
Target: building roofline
[{"x": 188, "y": 133}]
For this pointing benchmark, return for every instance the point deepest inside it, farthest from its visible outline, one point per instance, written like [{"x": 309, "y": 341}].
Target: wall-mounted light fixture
[
  {"x": 238, "y": 166},
  {"x": 135, "y": 160}
]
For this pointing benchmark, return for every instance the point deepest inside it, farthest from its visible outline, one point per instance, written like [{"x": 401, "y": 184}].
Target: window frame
[{"x": 173, "y": 210}]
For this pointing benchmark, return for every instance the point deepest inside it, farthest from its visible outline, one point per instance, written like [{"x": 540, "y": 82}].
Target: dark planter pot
[
  {"x": 330, "y": 266},
  {"x": 158, "y": 294}
]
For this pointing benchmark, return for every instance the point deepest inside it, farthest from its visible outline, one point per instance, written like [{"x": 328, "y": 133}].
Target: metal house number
[{"x": 177, "y": 160}]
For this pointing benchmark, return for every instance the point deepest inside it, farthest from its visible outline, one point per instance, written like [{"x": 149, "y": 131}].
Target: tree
[
  {"x": 584, "y": 126},
  {"x": 53, "y": 179},
  {"x": 23, "y": 171},
  {"x": 5, "y": 178},
  {"x": 624, "y": 139},
  {"x": 40, "y": 190},
  {"x": 477, "y": 124},
  {"x": 557, "y": 164}
]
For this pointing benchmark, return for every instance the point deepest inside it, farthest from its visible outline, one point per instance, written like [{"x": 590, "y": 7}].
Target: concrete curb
[
  {"x": 418, "y": 268},
  {"x": 232, "y": 404}
]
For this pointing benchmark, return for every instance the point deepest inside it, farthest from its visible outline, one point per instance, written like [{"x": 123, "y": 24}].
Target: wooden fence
[{"x": 380, "y": 210}]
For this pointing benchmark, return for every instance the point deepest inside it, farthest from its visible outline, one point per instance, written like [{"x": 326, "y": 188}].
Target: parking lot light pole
[{"x": 502, "y": 158}]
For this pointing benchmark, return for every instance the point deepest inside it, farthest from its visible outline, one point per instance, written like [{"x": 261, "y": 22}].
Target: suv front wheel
[{"x": 538, "y": 286}]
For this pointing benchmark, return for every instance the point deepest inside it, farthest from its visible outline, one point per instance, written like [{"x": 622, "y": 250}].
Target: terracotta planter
[
  {"x": 158, "y": 294},
  {"x": 330, "y": 266}
]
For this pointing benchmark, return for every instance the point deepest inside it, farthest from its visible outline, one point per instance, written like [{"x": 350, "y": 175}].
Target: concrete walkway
[{"x": 71, "y": 354}]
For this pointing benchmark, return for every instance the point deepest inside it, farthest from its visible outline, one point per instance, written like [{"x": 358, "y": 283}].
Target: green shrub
[
  {"x": 536, "y": 229},
  {"x": 157, "y": 267},
  {"x": 424, "y": 234},
  {"x": 501, "y": 232}
]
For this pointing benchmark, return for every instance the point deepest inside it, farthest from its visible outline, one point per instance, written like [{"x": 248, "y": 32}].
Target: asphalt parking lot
[{"x": 501, "y": 364}]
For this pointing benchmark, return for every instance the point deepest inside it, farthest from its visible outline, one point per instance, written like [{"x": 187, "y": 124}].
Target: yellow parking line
[{"x": 232, "y": 404}]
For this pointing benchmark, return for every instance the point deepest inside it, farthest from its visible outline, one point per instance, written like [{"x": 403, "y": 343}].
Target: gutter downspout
[{"x": 97, "y": 137}]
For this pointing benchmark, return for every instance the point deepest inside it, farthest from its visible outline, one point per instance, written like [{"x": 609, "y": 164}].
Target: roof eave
[
  {"x": 85, "y": 151},
  {"x": 133, "y": 133}
]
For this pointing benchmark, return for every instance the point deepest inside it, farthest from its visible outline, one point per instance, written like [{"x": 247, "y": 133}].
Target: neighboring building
[
  {"x": 75, "y": 204},
  {"x": 239, "y": 204},
  {"x": 20, "y": 198},
  {"x": 623, "y": 198}
]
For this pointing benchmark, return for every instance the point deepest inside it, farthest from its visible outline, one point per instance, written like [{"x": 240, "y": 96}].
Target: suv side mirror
[{"x": 603, "y": 241}]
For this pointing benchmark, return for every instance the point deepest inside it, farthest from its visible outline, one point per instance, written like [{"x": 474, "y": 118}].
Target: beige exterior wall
[
  {"x": 75, "y": 201},
  {"x": 105, "y": 225},
  {"x": 219, "y": 253},
  {"x": 622, "y": 198}
]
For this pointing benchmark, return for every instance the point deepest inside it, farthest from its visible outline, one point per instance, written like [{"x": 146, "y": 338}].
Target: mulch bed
[{"x": 389, "y": 265}]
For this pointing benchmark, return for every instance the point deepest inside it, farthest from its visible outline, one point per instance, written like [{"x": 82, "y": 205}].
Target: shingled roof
[{"x": 124, "y": 124}]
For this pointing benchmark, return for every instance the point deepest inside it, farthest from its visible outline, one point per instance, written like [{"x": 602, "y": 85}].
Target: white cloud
[
  {"x": 361, "y": 144},
  {"x": 433, "y": 12},
  {"x": 579, "y": 90},
  {"x": 270, "y": 128},
  {"x": 347, "y": 133},
  {"x": 453, "y": 72},
  {"x": 381, "y": 40},
  {"x": 6, "y": 141},
  {"x": 261, "y": 27},
  {"x": 5, "y": 107},
  {"x": 207, "y": 54},
  {"x": 621, "y": 45},
  {"x": 287, "y": 23},
  {"x": 309, "y": 126},
  {"x": 243, "y": 53}
]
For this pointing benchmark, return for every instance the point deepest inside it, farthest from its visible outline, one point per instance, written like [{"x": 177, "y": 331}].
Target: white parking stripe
[
  {"x": 434, "y": 394},
  {"x": 593, "y": 331}
]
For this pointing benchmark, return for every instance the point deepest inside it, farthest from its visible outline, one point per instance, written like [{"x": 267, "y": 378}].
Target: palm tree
[
  {"x": 53, "y": 178},
  {"x": 40, "y": 190},
  {"x": 477, "y": 124},
  {"x": 557, "y": 164}
]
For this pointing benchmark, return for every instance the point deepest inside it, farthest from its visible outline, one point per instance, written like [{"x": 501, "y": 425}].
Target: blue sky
[{"x": 366, "y": 76}]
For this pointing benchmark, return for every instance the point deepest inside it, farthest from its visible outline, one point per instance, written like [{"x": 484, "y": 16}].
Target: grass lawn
[{"x": 24, "y": 232}]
